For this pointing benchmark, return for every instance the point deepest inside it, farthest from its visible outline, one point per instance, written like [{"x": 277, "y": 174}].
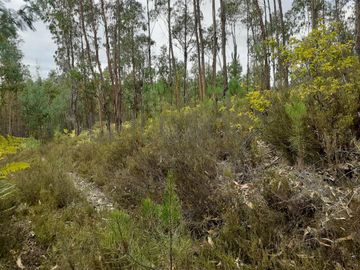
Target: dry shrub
[
  {"x": 46, "y": 182},
  {"x": 190, "y": 143},
  {"x": 286, "y": 195}
]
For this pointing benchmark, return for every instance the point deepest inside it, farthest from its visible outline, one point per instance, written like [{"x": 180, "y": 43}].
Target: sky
[{"x": 39, "y": 48}]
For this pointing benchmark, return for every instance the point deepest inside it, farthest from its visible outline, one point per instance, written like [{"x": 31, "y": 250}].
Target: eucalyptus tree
[
  {"x": 166, "y": 8},
  {"x": 11, "y": 21},
  {"x": 357, "y": 27},
  {"x": 199, "y": 38},
  {"x": 163, "y": 74},
  {"x": 284, "y": 70},
  {"x": 11, "y": 83},
  {"x": 214, "y": 44},
  {"x": 134, "y": 41},
  {"x": 183, "y": 32},
  {"x": 94, "y": 22},
  {"x": 223, "y": 45},
  {"x": 12, "y": 71},
  {"x": 150, "y": 16},
  {"x": 63, "y": 22},
  {"x": 234, "y": 13},
  {"x": 264, "y": 48}
]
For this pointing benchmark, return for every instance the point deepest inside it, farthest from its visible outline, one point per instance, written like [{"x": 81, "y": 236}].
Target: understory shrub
[{"x": 314, "y": 119}]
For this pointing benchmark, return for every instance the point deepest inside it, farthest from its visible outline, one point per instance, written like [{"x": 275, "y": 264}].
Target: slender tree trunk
[
  {"x": 247, "y": 44},
  {"x": 149, "y": 40},
  {"x": 88, "y": 53},
  {"x": 357, "y": 27},
  {"x": 200, "y": 87},
  {"x": 266, "y": 67},
  {"x": 235, "y": 47},
  {"x": 284, "y": 67},
  {"x": 117, "y": 74},
  {"x": 185, "y": 50},
  {"x": 276, "y": 30},
  {"x": 69, "y": 40},
  {"x": 10, "y": 105},
  {"x": 108, "y": 56},
  {"x": 172, "y": 56},
  {"x": 223, "y": 45},
  {"x": 272, "y": 49},
  {"x": 87, "y": 44},
  {"x": 136, "y": 101},
  {"x": 214, "y": 49},
  {"x": 202, "y": 51},
  {"x": 100, "y": 93},
  {"x": 315, "y": 9},
  {"x": 337, "y": 12}
]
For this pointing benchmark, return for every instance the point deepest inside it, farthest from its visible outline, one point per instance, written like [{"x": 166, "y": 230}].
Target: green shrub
[
  {"x": 46, "y": 182},
  {"x": 325, "y": 76},
  {"x": 154, "y": 238},
  {"x": 296, "y": 110}
]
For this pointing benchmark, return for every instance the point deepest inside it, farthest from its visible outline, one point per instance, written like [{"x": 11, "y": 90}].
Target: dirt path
[{"x": 92, "y": 193}]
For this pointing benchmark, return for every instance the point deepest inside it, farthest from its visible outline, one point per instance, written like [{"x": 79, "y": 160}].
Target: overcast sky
[{"x": 38, "y": 47}]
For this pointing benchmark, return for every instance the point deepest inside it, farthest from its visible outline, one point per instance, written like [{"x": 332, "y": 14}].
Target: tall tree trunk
[
  {"x": 357, "y": 27},
  {"x": 198, "y": 50},
  {"x": 284, "y": 68},
  {"x": 117, "y": 74},
  {"x": 266, "y": 67},
  {"x": 100, "y": 92},
  {"x": 108, "y": 56},
  {"x": 84, "y": 34},
  {"x": 172, "y": 56},
  {"x": 69, "y": 40},
  {"x": 247, "y": 44},
  {"x": 149, "y": 40},
  {"x": 185, "y": 50},
  {"x": 315, "y": 10},
  {"x": 337, "y": 11},
  {"x": 272, "y": 49},
  {"x": 89, "y": 60},
  {"x": 202, "y": 51},
  {"x": 10, "y": 116},
  {"x": 276, "y": 30},
  {"x": 214, "y": 49},
  {"x": 223, "y": 45},
  {"x": 135, "y": 82}
]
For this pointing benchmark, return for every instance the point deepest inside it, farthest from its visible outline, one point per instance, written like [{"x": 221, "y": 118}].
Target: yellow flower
[{"x": 222, "y": 108}]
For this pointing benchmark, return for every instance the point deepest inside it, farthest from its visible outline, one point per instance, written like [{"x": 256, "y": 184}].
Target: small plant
[
  {"x": 296, "y": 110},
  {"x": 145, "y": 241}
]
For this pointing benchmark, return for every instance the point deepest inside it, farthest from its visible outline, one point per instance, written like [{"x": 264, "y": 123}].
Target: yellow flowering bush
[
  {"x": 258, "y": 101},
  {"x": 325, "y": 77},
  {"x": 244, "y": 113},
  {"x": 9, "y": 146}
]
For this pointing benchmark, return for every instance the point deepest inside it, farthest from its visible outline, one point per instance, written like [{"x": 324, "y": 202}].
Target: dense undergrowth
[{"x": 269, "y": 180}]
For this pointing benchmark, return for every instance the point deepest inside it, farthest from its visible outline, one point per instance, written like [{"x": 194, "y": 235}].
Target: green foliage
[
  {"x": 11, "y": 69},
  {"x": 148, "y": 240},
  {"x": 296, "y": 111},
  {"x": 325, "y": 75},
  {"x": 9, "y": 146},
  {"x": 46, "y": 182},
  {"x": 314, "y": 119},
  {"x": 220, "y": 207},
  {"x": 13, "y": 167},
  {"x": 44, "y": 107},
  {"x": 170, "y": 210}
]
